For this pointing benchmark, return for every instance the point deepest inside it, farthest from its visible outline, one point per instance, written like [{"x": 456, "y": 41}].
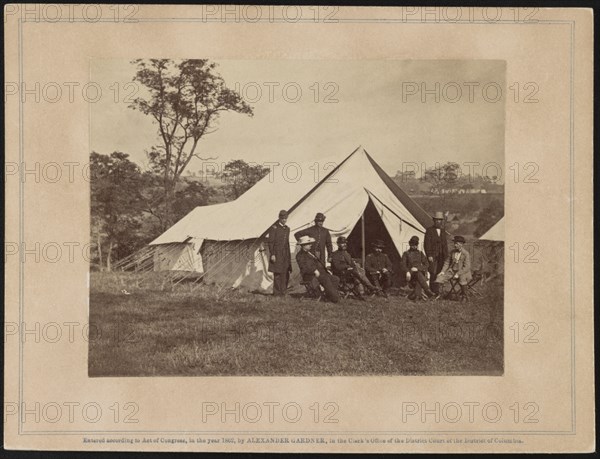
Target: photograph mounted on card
[{"x": 242, "y": 228}]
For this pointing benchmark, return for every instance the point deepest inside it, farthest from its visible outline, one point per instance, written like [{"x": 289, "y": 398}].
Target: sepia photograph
[
  {"x": 298, "y": 217},
  {"x": 298, "y": 229}
]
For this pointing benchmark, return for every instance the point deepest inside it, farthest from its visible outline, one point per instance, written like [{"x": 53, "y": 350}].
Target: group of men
[{"x": 436, "y": 265}]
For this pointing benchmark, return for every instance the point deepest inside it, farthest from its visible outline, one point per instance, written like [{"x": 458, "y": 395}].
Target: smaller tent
[
  {"x": 489, "y": 251},
  {"x": 495, "y": 233}
]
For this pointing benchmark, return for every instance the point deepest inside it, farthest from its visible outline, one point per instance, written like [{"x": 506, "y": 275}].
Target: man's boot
[
  {"x": 359, "y": 291},
  {"x": 463, "y": 293}
]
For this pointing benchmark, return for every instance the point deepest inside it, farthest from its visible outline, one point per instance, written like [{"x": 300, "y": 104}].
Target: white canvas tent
[
  {"x": 489, "y": 249},
  {"x": 226, "y": 241},
  {"x": 495, "y": 233}
]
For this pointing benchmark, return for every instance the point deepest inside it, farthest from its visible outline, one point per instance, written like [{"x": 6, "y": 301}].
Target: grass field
[{"x": 160, "y": 330}]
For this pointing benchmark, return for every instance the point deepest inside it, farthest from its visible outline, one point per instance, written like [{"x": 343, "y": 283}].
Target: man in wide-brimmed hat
[
  {"x": 280, "y": 257},
  {"x": 314, "y": 271},
  {"x": 379, "y": 268},
  {"x": 457, "y": 266},
  {"x": 415, "y": 264},
  {"x": 345, "y": 268},
  {"x": 321, "y": 236},
  {"x": 436, "y": 248}
]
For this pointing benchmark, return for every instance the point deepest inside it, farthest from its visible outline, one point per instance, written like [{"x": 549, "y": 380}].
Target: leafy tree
[
  {"x": 443, "y": 178},
  {"x": 115, "y": 206},
  {"x": 185, "y": 98},
  {"x": 192, "y": 194},
  {"x": 240, "y": 176}
]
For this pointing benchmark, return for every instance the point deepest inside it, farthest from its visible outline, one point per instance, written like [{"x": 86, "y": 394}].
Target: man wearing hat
[
  {"x": 343, "y": 265},
  {"x": 280, "y": 258},
  {"x": 436, "y": 248},
  {"x": 457, "y": 266},
  {"x": 314, "y": 271},
  {"x": 379, "y": 268},
  {"x": 321, "y": 236},
  {"x": 416, "y": 265}
]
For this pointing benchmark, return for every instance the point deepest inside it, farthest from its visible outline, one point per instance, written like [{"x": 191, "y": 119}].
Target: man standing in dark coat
[
  {"x": 280, "y": 258},
  {"x": 436, "y": 249},
  {"x": 322, "y": 239},
  {"x": 415, "y": 264},
  {"x": 314, "y": 272},
  {"x": 379, "y": 268}
]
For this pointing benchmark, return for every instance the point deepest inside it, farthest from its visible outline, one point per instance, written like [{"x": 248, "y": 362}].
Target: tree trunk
[
  {"x": 108, "y": 256},
  {"x": 169, "y": 196},
  {"x": 99, "y": 248}
]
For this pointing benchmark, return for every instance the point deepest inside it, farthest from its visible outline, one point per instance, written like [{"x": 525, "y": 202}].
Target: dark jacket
[
  {"x": 278, "y": 240},
  {"x": 436, "y": 246},
  {"x": 323, "y": 240},
  {"x": 376, "y": 262},
  {"x": 341, "y": 261},
  {"x": 414, "y": 259},
  {"x": 308, "y": 263}
]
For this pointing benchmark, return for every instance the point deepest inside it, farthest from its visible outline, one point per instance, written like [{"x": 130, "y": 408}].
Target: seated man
[
  {"x": 379, "y": 268},
  {"x": 416, "y": 265},
  {"x": 344, "y": 267},
  {"x": 457, "y": 266},
  {"x": 314, "y": 272}
]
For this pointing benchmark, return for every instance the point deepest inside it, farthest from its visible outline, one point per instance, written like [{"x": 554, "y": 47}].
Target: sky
[{"x": 307, "y": 110}]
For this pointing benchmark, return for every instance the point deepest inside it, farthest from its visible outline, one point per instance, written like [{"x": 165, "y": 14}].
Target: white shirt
[{"x": 439, "y": 231}]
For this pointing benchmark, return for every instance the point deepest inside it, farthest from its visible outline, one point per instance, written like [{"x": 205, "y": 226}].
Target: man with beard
[
  {"x": 322, "y": 239},
  {"x": 457, "y": 266},
  {"x": 344, "y": 267},
  {"x": 379, "y": 268},
  {"x": 314, "y": 272},
  {"x": 436, "y": 248},
  {"x": 416, "y": 265},
  {"x": 280, "y": 258}
]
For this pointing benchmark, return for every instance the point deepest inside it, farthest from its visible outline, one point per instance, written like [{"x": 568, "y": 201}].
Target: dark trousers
[
  {"x": 418, "y": 282},
  {"x": 330, "y": 285},
  {"x": 381, "y": 280},
  {"x": 356, "y": 277},
  {"x": 435, "y": 267},
  {"x": 280, "y": 283}
]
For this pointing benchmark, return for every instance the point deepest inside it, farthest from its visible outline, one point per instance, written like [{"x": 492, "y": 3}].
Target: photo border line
[{"x": 365, "y": 21}]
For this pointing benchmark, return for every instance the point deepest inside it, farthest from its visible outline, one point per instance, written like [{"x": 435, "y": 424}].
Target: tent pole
[{"x": 362, "y": 238}]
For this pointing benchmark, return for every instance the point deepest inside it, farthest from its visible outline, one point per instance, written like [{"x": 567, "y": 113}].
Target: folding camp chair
[
  {"x": 348, "y": 287},
  {"x": 472, "y": 286},
  {"x": 312, "y": 292}
]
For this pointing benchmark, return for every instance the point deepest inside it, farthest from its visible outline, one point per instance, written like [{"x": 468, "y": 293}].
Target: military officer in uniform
[
  {"x": 379, "y": 268},
  {"x": 322, "y": 239},
  {"x": 436, "y": 248},
  {"x": 314, "y": 271},
  {"x": 416, "y": 265},
  {"x": 280, "y": 258},
  {"x": 343, "y": 265}
]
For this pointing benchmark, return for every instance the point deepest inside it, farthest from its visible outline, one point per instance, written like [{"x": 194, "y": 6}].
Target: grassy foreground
[{"x": 154, "y": 329}]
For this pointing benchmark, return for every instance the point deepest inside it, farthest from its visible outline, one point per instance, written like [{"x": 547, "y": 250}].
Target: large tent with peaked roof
[{"x": 226, "y": 242}]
